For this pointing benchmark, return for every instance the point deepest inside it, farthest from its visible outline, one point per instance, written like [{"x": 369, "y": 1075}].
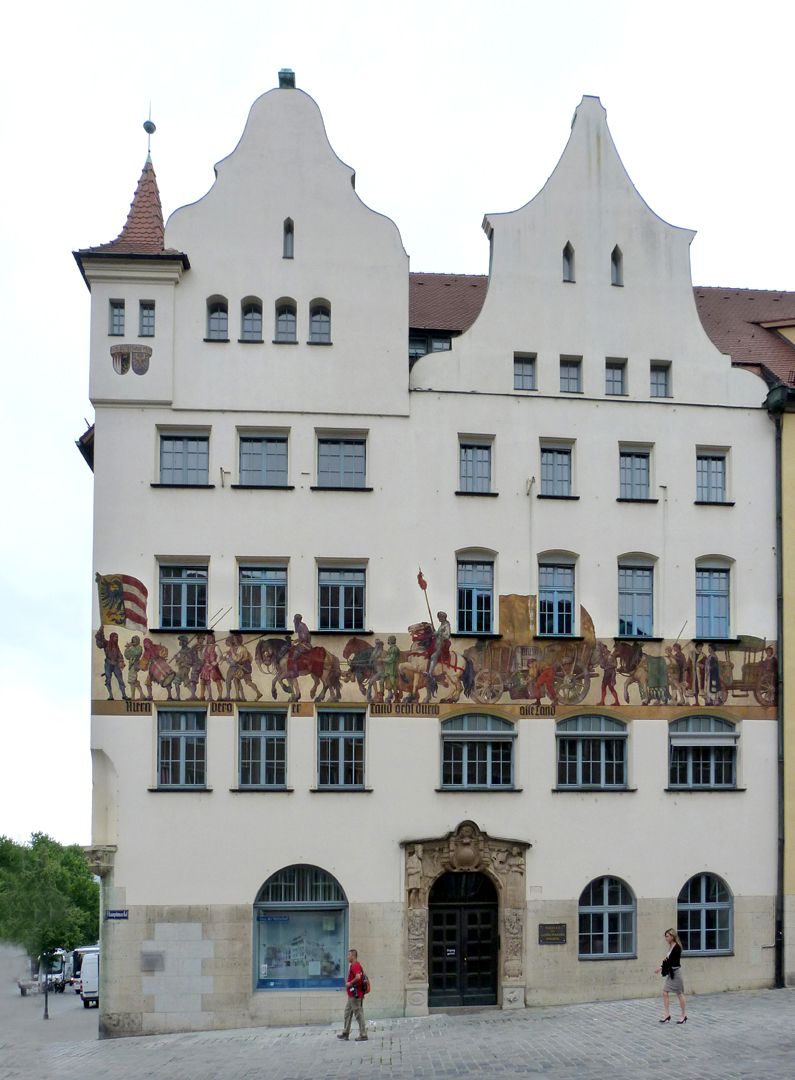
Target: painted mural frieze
[{"x": 417, "y": 671}]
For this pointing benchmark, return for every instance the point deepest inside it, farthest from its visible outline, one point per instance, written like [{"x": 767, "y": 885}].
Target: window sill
[
  {"x": 467, "y": 788},
  {"x": 216, "y": 340},
  {"x": 597, "y": 959},
  {"x": 637, "y": 500},
  {"x": 178, "y": 630},
  {"x": 250, "y": 341},
  {"x": 340, "y": 791},
  {"x": 591, "y": 790},
  {"x": 482, "y": 494},
  {"x": 661, "y": 397},
  {"x": 145, "y": 337},
  {"x": 564, "y": 498},
  {"x": 636, "y": 637},
  {"x": 180, "y": 790},
  {"x": 711, "y": 502},
  {"x": 262, "y": 487},
  {"x": 261, "y": 790},
  {"x": 702, "y": 790},
  {"x": 261, "y": 630},
  {"x": 622, "y": 393},
  {"x": 285, "y": 341},
  {"x": 479, "y": 634},
  {"x": 713, "y": 952},
  {"x": 329, "y": 632},
  {"x": 324, "y": 343},
  {"x": 525, "y": 389},
  {"x": 705, "y": 639},
  {"x": 571, "y": 391},
  {"x": 201, "y": 487},
  {"x": 561, "y": 637},
  {"x": 325, "y": 487}
]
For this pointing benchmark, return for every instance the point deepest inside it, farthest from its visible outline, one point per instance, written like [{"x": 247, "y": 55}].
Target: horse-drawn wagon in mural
[
  {"x": 560, "y": 671},
  {"x": 757, "y": 674}
]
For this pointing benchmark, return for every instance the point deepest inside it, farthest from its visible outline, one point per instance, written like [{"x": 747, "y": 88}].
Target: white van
[{"x": 89, "y": 980}]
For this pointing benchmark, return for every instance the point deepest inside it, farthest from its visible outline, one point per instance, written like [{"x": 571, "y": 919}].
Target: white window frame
[
  {"x": 345, "y": 748},
  {"x": 603, "y": 911},
  {"x": 630, "y": 565},
  {"x": 183, "y": 583},
  {"x": 482, "y": 616},
  {"x": 705, "y": 734},
  {"x": 481, "y": 738},
  {"x": 707, "y": 623},
  {"x": 187, "y": 739},
  {"x": 352, "y": 576},
  {"x": 705, "y": 911},
  {"x": 583, "y": 730},
  {"x": 274, "y": 577},
  {"x": 552, "y": 560},
  {"x": 262, "y": 749}
]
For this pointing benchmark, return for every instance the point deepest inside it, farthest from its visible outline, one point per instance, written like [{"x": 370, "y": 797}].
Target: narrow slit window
[
  {"x": 568, "y": 262},
  {"x": 288, "y": 245},
  {"x": 616, "y": 267}
]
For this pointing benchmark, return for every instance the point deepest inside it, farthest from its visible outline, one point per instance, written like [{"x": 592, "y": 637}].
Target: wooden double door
[{"x": 463, "y": 939}]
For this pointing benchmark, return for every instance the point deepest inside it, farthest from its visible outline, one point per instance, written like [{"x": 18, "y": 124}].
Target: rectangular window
[
  {"x": 524, "y": 371},
  {"x": 263, "y": 597},
  {"x": 263, "y": 749},
  {"x": 475, "y": 597},
  {"x": 712, "y": 603},
  {"x": 116, "y": 318},
  {"x": 555, "y": 599},
  {"x": 635, "y": 601},
  {"x": 441, "y": 344},
  {"x": 660, "y": 380},
  {"x": 181, "y": 749},
  {"x": 341, "y": 463},
  {"x": 634, "y": 474},
  {"x": 146, "y": 318},
  {"x": 571, "y": 374},
  {"x": 184, "y": 460},
  {"x": 341, "y": 598},
  {"x": 555, "y": 470},
  {"x": 263, "y": 460},
  {"x": 615, "y": 377},
  {"x": 340, "y": 749},
  {"x": 474, "y": 467},
  {"x": 702, "y": 766},
  {"x": 711, "y": 477},
  {"x": 183, "y": 597}
]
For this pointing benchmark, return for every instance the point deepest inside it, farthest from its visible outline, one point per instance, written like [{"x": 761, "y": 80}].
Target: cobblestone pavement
[{"x": 734, "y": 1035}]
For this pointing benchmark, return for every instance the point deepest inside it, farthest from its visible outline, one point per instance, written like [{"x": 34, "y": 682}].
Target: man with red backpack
[{"x": 356, "y": 986}]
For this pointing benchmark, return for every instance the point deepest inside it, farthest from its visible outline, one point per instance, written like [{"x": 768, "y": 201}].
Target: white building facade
[{"x": 293, "y": 751}]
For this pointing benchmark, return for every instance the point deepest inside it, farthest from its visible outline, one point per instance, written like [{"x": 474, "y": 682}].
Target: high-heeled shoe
[
  {"x": 682, "y": 1021},
  {"x": 665, "y": 1019}
]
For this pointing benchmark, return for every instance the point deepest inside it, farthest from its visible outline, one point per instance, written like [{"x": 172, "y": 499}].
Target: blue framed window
[
  {"x": 146, "y": 318},
  {"x": 340, "y": 749},
  {"x": 524, "y": 372},
  {"x": 320, "y": 324},
  {"x": 341, "y": 596},
  {"x": 263, "y": 460},
  {"x": 660, "y": 380},
  {"x": 217, "y": 320},
  {"x": 712, "y": 603},
  {"x": 185, "y": 459},
  {"x": 183, "y": 597},
  {"x": 592, "y": 752},
  {"x": 555, "y": 470},
  {"x": 286, "y": 321},
  {"x": 615, "y": 377},
  {"x": 263, "y": 597},
  {"x": 116, "y": 318},
  {"x": 263, "y": 748},
  {"x": 711, "y": 478},
  {"x": 606, "y": 920},
  {"x": 634, "y": 474},
  {"x": 477, "y": 752},
  {"x": 702, "y": 753},
  {"x": 251, "y": 321},
  {"x": 474, "y": 467},
  {"x": 475, "y": 596},
  {"x": 635, "y": 601},
  {"x": 341, "y": 463},
  {"x": 301, "y": 931},
  {"x": 181, "y": 749},
  {"x": 571, "y": 375},
  {"x": 705, "y": 915},
  {"x": 555, "y": 599}
]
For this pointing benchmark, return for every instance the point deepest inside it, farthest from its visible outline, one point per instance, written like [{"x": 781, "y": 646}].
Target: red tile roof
[
  {"x": 144, "y": 230},
  {"x": 732, "y": 318}
]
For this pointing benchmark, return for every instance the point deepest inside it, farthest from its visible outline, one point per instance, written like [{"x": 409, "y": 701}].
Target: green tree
[{"x": 48, "y": 896}]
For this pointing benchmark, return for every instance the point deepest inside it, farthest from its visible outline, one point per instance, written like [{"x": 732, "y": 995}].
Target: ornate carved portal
[{"x": 467, "y": 848}]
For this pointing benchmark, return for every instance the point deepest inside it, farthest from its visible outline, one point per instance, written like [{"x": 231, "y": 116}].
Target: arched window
[
  {"x": 288, "y": 245},
  {"x": 251, "y": 319},
  {"x": 285, "y": 321},
  {"x": 703, "y": 752},
  {"x": 616, "y": 266},
  {"x": 592, "y": 752},
  {"x": 568, "y": 262},
  {"x": 606, "y": 920},
  {"x": 319, "y": 323},
  {"x": 713, "y": 597},
  {"x": 477, "y": 752},
  {"x": 704, "y": 915},
  {"x": 301, "y": 923},
  {"x": 217, "y": 319}
]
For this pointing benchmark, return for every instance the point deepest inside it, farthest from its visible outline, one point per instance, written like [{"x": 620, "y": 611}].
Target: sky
[{"x": 445, "y": 110}]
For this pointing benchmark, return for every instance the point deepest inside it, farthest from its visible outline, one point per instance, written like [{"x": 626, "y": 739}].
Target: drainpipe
[{"x": 776, "y": 404}]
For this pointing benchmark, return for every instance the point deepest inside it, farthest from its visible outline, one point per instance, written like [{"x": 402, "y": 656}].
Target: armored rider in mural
[
  {"x": 114, "y": 661},
  {"x": 302, "y": 644},
  {"x": 441, "y": 652}
]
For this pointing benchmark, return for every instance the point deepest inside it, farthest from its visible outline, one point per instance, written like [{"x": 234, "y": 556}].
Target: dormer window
[
  {"x": 217, "y": 319},
  {"x": 616, "y": 266},
  {"x": 568, "y": 262},
  {"x": 288, "y": 247}
]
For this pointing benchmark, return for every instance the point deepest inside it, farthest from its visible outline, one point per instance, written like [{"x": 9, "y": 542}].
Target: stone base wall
[
  {"x": 169, "y": 969},
  {"x": 789, "y": 939}
]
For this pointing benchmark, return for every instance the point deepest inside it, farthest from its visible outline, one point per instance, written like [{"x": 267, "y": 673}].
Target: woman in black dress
[{"x": 671, "y": 968}]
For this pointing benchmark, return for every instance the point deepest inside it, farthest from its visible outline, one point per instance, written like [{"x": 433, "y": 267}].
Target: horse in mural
[
  {"x": 451, "y": 670},
  {"x": 290, "y": 663},
  {"x": 648, "y": 673},
  {"x": 359, "y": 655}
]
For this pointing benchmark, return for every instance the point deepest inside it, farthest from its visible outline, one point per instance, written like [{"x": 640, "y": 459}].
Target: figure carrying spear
[{"x": 441, "y": 634}]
